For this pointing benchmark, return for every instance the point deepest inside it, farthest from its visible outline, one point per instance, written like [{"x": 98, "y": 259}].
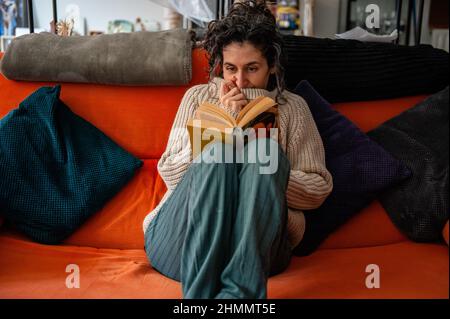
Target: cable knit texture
[{"x": 309, "y": 183}]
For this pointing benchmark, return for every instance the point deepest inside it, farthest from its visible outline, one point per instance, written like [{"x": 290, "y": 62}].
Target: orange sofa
[{"x": 109, "y": 247}]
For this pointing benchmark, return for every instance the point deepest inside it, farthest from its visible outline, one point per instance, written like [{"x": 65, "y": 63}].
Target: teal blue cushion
[{"x": 56, "y": 169}]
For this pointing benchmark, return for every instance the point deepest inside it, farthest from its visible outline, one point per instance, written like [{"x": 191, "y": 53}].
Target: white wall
[{"x": 98, "y": 12}]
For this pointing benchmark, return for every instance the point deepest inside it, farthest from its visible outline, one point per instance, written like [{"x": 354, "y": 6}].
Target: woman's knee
[
  {"x": 217, "y": 159},
  {"x": 215, "y": 153},
  {"x": 266, "y": 155}
]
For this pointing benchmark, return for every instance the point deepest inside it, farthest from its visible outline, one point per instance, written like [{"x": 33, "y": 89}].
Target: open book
[{"x": 262, "y": 112}]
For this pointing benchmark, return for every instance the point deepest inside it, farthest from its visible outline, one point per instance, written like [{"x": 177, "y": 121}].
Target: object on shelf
[
  {"x": 65, "y": 28},
  {"x": 94, "y": 32},
  {"x": 139, "y": 25},
  {"x": 288, "y": 15},
  {"x": 13, "y": 14},
  {"x": 172, "y": 19},
  {"x": 73, "y": 12},
  {"x": 146, "y": 25},
  {"x": 198, "y": 11},
  {"x": 120, "y": 26}
]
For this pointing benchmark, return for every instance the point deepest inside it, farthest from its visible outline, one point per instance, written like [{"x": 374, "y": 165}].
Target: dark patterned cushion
[
  {"x": 360, "y": 168},
  {"x": 56, "y": 169},
  {"x": 419, "y": 137}
]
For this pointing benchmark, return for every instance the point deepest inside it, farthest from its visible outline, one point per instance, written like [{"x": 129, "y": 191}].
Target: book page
[
  {"x": 200, "y": 136},
  {"x": 214, "y": 117},
  {"x": 257, "y": 108},
  {"x": 205, "y": 124},
  {"x": 265, "y": 119},
  {"x": 209, "y": 111},
  {"x": 249, "y": 106}
]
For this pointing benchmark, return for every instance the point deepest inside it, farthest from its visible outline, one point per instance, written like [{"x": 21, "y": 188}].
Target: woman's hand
[{"x": 231, "y": 96}]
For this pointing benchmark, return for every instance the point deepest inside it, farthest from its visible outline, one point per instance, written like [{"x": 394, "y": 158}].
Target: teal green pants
[{"x": 223, "y": 231}]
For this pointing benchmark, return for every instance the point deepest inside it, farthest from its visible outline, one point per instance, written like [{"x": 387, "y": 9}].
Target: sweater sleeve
[
  {"x": 310, "y": 182},
  {"x": 178, "y": 154}
]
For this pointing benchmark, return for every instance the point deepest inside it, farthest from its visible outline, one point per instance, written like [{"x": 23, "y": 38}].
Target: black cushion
[{"x": 419, "y": 137}]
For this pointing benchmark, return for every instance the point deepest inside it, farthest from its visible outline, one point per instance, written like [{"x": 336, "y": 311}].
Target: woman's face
[{"x": 244, "y": 64}]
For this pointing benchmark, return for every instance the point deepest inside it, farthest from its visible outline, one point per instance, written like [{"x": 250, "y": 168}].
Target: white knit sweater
[{"x": 309, "y": 181}]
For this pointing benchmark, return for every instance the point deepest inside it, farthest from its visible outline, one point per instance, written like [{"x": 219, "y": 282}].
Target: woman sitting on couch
[{"x": 223, "y": 228}]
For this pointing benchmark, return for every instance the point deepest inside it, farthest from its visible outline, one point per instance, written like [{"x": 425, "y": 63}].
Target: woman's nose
[{"x": 241, "y": 81}]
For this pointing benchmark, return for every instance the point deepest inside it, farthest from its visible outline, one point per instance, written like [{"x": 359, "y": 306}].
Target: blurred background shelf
[{"x": 328, "y": 17}]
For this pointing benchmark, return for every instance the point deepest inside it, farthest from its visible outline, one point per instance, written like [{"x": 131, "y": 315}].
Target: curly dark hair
[{"x": 252, "y": 21}]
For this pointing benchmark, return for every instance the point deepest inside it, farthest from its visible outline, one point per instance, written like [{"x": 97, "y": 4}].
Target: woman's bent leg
[
  {"x": 165, "y": 235},
  {"x": 259, "y": 244},
  {"x": 212, "y": 203},
  {"x": 188, "y": 240}
]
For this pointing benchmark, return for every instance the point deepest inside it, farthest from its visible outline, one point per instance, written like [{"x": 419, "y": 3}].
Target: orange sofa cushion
[{"x": 407, "y": 270}]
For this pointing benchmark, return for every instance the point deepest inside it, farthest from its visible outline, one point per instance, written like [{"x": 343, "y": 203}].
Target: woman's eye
[
  {"x": 230, "y": 69},
  {"x": 252, "y": 69}
]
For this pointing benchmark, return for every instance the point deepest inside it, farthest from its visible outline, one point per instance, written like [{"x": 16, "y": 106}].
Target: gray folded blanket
[{"x": 139, "y": 58}]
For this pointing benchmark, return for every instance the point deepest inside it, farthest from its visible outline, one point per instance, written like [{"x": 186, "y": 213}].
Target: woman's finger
[
  {"x": 230, "y": 94},
  {"x": 231, "y": 83},
  {"x": 236, "y": 106},
  {"x": 233, "y": 92},
  {"x": 224, "y": 89},
  {"x": 227, "y": 101},
  {"x": 238, "y": 97}
]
